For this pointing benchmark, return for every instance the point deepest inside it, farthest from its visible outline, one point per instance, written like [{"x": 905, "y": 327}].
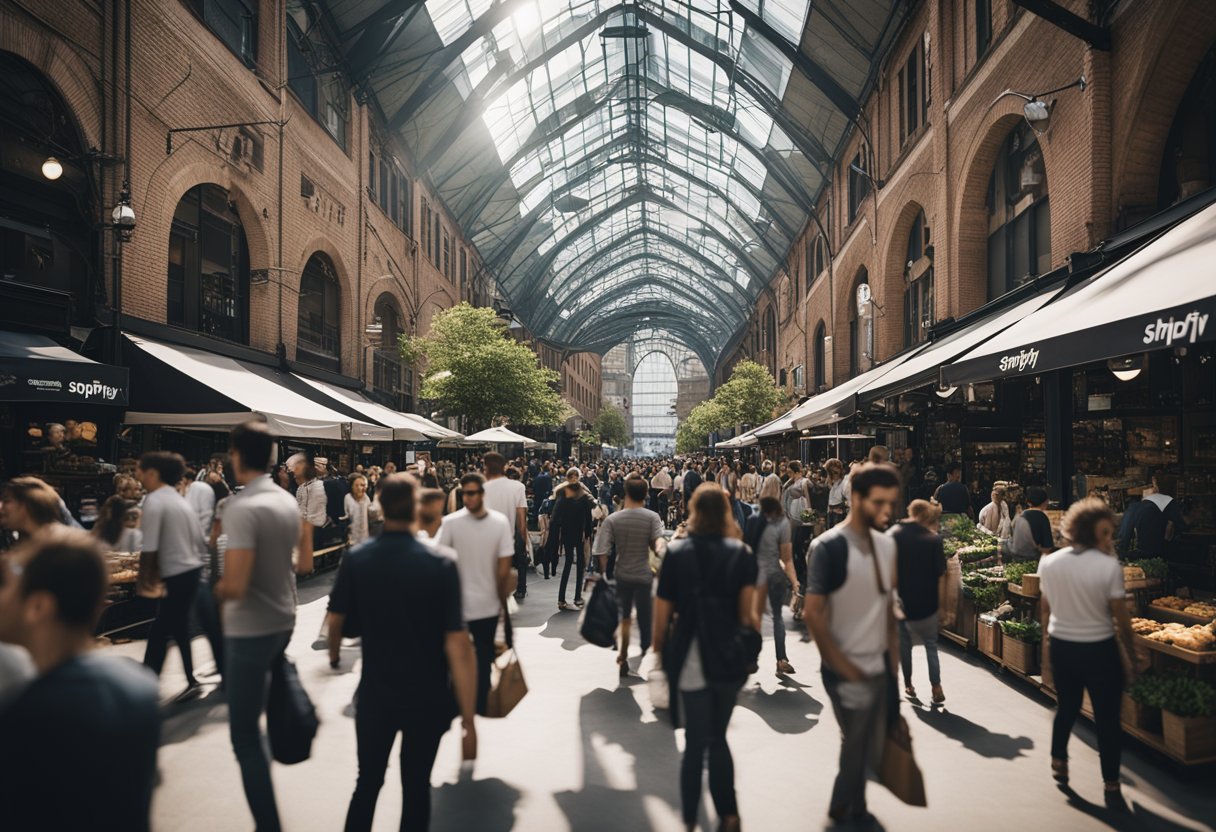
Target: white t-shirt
[
  {"x": 1079, "y": 589},
  {"x": 857, "y": 611},
  {"x": 356, "y": 513},
  {"x": 505, "y": 496},
  {"x": 171, "y": 530},
  {"x": 310, "y": 497},
  {"x": 201, "y": 498},
  {"x": 479, "y": 543}
]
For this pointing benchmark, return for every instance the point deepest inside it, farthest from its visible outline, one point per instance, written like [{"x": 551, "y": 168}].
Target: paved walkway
[{"x": 585, "y": 751}]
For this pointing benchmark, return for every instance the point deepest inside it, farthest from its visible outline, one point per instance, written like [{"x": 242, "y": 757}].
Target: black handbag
[
  {"x": 729, "y": 650},
  {"x": 598, "y": 621},
  {"x": 291, "y": 719}
]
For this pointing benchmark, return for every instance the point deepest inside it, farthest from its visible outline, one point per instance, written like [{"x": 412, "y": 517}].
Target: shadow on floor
[
  {"x": 788, "y": 710},
  {"x": 1140, "y": 819},
  {"x": 613, "y": 718},
  {"x": 485, "y": 805},
  {"x": 974, "y": 737},
  {"x": 180, "y": 721},
  {"x": 564, "y": 625}
]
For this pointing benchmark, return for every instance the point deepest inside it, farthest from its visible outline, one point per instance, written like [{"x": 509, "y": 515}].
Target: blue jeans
[
  {"x": 247, "y": 679},
  {"x": 924, "y": 629}
]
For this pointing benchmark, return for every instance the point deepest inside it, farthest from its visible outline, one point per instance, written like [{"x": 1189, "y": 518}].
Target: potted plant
[
  {"x": 1187, "y": 720},
  {"x": 1020, "y": 645},
  {"x": 1142, "y": 702},
  {"x": 1023, "y": 577}
]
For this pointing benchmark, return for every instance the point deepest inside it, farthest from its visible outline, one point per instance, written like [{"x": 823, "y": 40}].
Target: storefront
[{"x": 58, "y": 414}]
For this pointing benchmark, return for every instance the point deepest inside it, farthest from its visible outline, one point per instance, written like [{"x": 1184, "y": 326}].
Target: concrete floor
[{"x": 584, "y": 751}]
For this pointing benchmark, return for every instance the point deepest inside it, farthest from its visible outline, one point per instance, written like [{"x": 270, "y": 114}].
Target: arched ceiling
[{"x": 622, "y": 165}]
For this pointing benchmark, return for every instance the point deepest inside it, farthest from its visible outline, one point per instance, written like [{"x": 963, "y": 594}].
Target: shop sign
[{"x": 35, "y": 380}]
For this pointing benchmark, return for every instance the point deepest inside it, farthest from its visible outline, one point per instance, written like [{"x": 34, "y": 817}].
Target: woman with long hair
[
  {"x": 1083, "y": 599},
  {"x": 117, "y": 525},
  {"x": 837, "y": 495},
  {"x": 707, "y": 585},
  {"x": 772, "y": 541}
]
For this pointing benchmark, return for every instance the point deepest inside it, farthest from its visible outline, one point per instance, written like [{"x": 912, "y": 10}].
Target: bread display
[{"x": 1172, "y": 602}]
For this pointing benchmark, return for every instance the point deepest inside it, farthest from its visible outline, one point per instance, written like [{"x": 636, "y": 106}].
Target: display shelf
[
  {"x": 1171, "y": 615},
  {"x": 1152, "y": 739},
  {"x": 950, "y": 635},
  {"x": 1192, "y": 656}
]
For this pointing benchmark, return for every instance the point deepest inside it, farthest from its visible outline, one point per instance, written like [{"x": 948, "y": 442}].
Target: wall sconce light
[
  {"x": 52, "y": 168},
  {"x": 1126, "y": 368}
]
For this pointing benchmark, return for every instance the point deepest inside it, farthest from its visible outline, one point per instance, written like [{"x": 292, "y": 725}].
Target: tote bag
[
  {"x": 598, "y": 621},
  {"x": 898, "y": 770},
  {"x": 507, "y": 685}
]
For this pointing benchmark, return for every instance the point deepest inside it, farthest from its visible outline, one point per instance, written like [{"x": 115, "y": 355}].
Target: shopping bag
[
  {"x": 507, "y": 684},
  {"x": 598, "y": 620},
  {"x": 291, "y": 719},
  {"x": 898, "y": 770},
  {"x": 948, "y": 608},
  {"x": 148, "y": 583}
]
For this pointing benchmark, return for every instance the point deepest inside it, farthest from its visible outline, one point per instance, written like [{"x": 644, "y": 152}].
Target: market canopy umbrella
[
  {"x": 500, "y": 436},
  {"x": 1162, "y": 296}
]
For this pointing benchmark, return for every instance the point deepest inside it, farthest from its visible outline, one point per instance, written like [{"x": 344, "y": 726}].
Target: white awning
[
  {"x": 406, "y": 427},
  {"x": 500, "y": 436},
  {"x": 841, "y": 401},
  {"x": 1162, "y": 296},
  {"x": 192, "y": 388}
]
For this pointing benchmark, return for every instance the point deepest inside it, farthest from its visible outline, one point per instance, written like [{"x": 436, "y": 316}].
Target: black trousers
[
  {"x": 1096, "y": 667},
  {"x": 574, "y": 554},
  {"x": 706, "y": 715},
  {"x": 378, "y": 720},
  {"x": 173, "y": 622},
  {"x": 207, "y": 609},
  {"x": 520, "y": 562},
  {"x": 482, "y": 630}
]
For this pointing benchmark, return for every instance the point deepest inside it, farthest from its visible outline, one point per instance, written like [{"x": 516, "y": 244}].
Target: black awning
[
  {"x": 33, "y": 368},
  {"x": 1162, "y": 296}
]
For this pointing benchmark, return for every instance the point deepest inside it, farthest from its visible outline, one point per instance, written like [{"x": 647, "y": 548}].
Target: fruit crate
[
  {"x": 1190, "y": 737},
  {"x": 1140, "y": 716},
  {"x": 988, "y": 636}
]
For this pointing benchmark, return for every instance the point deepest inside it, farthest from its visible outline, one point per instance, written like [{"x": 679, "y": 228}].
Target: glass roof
[{"x": 611, "y": 159}]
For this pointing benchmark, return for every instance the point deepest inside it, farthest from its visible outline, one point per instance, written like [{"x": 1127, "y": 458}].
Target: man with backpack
[{"x": 851, "y": 616}]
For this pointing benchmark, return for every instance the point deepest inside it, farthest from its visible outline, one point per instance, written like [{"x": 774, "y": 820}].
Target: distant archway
[
  {"x": 654, "y": 405},
  {"x": 318, "y": 333}
]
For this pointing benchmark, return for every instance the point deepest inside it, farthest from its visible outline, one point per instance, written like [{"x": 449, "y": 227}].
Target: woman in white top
[
  {"x": 838, "y": 497},
  {"x": 994, "y": 517},
  {"x": 1083, "y": 600},
  {"x": 357, "y": 505},
  {"x": 117, "y": 525}
]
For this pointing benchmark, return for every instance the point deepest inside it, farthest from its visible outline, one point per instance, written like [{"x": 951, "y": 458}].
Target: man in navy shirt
[
  {"x": 404, "y": 601},
  {"x": 82, "y": 737},
  {"x": 952, "y": 495}
]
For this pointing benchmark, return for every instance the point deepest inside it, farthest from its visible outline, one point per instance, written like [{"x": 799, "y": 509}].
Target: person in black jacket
[
  {"x": 571, "y": 520},
  {"x": 921, "y": 563},
  {"x": 710, "y": 573}
]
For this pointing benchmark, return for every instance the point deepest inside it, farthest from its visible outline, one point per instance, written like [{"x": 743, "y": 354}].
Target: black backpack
[{"x": 728, "y": 649}]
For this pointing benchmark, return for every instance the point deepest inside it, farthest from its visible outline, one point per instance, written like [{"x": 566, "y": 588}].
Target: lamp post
[{"x": 122, "y": 221}]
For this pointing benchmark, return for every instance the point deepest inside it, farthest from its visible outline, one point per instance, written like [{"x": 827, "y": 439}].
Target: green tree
[
  {"x": 476, "y": 370},
  {"x": 748, "y": 397},
  {"x": 610, "y": 426}
]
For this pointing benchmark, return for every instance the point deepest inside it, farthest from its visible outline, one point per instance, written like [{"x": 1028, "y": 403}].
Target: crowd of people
[{"x": 697, "y": 548}]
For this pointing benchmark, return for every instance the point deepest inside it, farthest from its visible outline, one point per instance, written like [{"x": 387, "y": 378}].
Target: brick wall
[{"x": 1102, "y": 155}]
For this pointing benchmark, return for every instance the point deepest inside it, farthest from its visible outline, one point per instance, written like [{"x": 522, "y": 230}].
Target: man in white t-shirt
[
  {"x": 481, "y": 538},
  {"x": 200, "y": 496},
  {"x": 173, "y": 541},
  {"x": 510, "y": 498},
  {"x": 850, "y": 614}
]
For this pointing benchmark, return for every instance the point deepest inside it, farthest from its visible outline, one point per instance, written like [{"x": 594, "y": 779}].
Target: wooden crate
[
  {"x": 1030, "y": 584},
  {"x": 1189, "y": 737},
  {"x": 1140, "y": 716},
  {"x": 1022, "y": 656},
  {"x": 964, "y": 622},
  {"x": 988, "y": 637}
]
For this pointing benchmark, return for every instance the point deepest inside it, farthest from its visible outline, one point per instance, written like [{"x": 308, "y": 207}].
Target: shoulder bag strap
[
  {"x": 508, "y": 634},
  {"x": 877, "y": 570}
]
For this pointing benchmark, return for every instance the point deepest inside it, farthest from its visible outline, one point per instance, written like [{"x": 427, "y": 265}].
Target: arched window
[
  {"x": 655, "y": 392},
  {"x": 918, "y": 278},
  {"x": 1019, "y": 220},
  {"x": 770, "y": 338},
  {"x": 389, "y": 377},
  {"x": 1189, "y": 163},
  {"x": 318, "y": 333},
  {"x": 208, "y": 278},
  {"x": 861, "y": 328},
  {"x": 817, "y": 260},
  {"x": 820, "y": 378}
]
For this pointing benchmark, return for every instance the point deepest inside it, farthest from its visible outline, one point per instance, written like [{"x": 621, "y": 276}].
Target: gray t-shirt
[
  {"x": 630, "y": 532},
  {"x": 768, "y": 550},
  {"x": 266, "y": 519},
  {"x": 170, "y": 529}
]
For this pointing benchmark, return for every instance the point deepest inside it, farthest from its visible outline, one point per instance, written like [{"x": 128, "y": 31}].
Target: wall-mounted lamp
[
  {"x": 945, "y": 392},
  {"x": 1126, "y": 368},
  {"x": 122, "y": 218}
]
